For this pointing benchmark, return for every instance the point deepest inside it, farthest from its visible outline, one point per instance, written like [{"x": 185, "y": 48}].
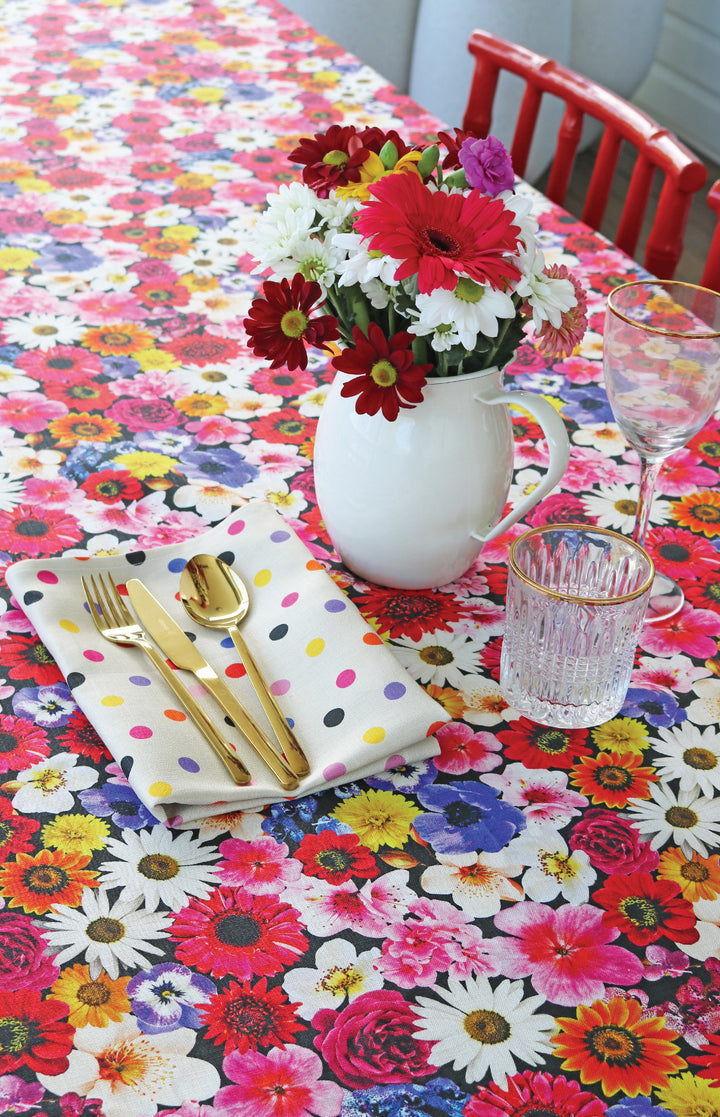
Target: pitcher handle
[{"x": 558, "y": 444}]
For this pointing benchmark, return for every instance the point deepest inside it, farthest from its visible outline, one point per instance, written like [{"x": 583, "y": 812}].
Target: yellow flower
[
  {"x": 16, "y": 259},
  {"x": 92, "y": 1002},
  {"x": 209, "y": 94},
  {"x": 183, "y": 232},
  {"x": 144, "y": 463},
  {"x": 199, "y": 282},
  {"x": 378, "y": 818},
  {"x": 449, "y": 698},
  {"x": 76, "y": 833},
  {"x": 191, "y": 180},
  {"x": 201, "y": 403},
  {"x": 373, "y": 169},
  {"x": 621, "y": 735},
  {"x": 698, "y": 878},
  {"x": 156, "y": 358},
  {"x": 689, "y": 1096}
]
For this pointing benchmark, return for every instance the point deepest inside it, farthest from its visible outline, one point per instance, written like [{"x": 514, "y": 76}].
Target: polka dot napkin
[{"x": 354, "y": 708}]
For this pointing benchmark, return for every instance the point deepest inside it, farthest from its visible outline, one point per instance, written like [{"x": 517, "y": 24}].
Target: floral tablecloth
[{"x": 528, "y": 924}]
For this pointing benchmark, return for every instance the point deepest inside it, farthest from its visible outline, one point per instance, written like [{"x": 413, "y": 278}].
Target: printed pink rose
[
  {"x": 371, "y": 1041},
  {"x": 612, "y": 844},
  {"x": 144, "y": 414},
  {"x": 24, "y": 961}
]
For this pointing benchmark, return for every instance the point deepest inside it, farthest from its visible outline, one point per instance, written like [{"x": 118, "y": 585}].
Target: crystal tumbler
[{"x": 576, "y": 600}]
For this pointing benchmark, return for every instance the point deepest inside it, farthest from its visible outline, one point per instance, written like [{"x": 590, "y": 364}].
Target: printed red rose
[
  {"x": 24, "y": 961},
  {"x": 371, "y": 1042},
  {"x": 612, "y": 844},
  {"x": 140, "y": 414}
]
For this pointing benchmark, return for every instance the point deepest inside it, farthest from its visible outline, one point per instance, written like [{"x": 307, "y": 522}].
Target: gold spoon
[{"x": 215, "y": 596}]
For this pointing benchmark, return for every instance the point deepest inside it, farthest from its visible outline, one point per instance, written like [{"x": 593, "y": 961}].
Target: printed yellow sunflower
[
  {"x": 378, "y": 818},
  {"x": 118, "y": 339},
  {"x": 621, "y": 735},
  {"x": 144, "y": 463},
  {"x": 699, "y": 878},
  {"x": 76, "y": 833},
  {"x": 699, "y": 512},
  {"x": 91, "y": 1002},
  {"x": 689, "y": 1096},
  {"x": 83, "y": 426},
  {"x": 201, "y": 403},
  {"x": 450, "y": 699}
]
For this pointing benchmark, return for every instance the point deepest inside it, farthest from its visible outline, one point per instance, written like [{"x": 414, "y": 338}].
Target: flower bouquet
[{"x": 420, "y": 261}]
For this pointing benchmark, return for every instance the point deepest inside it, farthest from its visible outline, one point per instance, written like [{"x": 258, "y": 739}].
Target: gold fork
[{"x": 115, "y": 622}]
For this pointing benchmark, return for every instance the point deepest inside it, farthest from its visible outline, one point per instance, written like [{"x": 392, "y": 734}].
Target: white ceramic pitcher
[{"x": 409, "y": 504}]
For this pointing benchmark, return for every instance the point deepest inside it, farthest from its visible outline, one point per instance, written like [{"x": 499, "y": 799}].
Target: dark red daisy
[
  {"x": 280, "y": 326},
  {"x": 647, "y": 909},
  {"x": 245, "y": 1017},
  {"x": 333, "y": 158},
  {"x": 384, "y": 374},
  {"x": 411, "y": 613},
  {"x": 22, "y": 744},
  {"x": 34, "y": 1033},
  {"x": 540, "y": 746},
  {"x": 438, "y": 236},
  {"x": 535, "y": 1094},
  {"x": 15, "y": 830},
  {"x": 336, "y": 857},
  {"x": 83, "y": 395},
  {"x": 232, "y": 933},
  {"x": 26, "y": 657}
]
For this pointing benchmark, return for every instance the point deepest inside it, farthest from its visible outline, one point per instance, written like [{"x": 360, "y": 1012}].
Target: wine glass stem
[{"x": 649, "y": 473}]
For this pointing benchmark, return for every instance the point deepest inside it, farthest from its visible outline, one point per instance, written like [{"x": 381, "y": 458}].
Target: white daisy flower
[
  {"x": 481, "y": 1029},
  {"x": 553, "y": 869},
  {"x": 43, "y": 331},
  {"x": 444, "y": 658},
  {"x": 108, "y": 935},
  {"x": 615, "y": 507},
  {"x": 690, "y": 755},
  {"x": 687, "y": 820},
  {"x": 360, "y": 265},
  {"x": 154, "y": 865},
  {"x": 339, "y": 973}
]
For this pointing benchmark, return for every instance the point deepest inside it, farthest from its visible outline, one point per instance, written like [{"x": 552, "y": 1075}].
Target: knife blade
[{"x": 181, "y": 651}]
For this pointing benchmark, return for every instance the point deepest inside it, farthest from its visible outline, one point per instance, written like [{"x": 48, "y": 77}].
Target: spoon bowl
[{"x": 215, "y": 596}]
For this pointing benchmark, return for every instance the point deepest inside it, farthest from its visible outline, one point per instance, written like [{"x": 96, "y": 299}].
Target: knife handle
[
  {"x": 288, "y": 741},
  {"x": 221, "y": 746},
  {"x": 249, "y": 729}
]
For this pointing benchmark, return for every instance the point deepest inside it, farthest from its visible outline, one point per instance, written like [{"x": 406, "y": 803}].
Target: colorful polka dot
[
  {"x": 334, "y": 717},
  {"x": 235, "y": 671},
  {"x": 188, "y": 764},
  {"x": 262, "y": 578},
  {"x": 32, "y": 596},
  {"x": 374, "y": 736},
  {"x": 69, "y": 626},
  {"x": 236, "y": 527},
  {"x": 135, "y": 558},
  {"x": 112, "y": 700},
  {"x": 75, "y": 678},
  {"x": 160, "y": 789},
  {"x": 371, "y": 638},
  {"x": 176, "y": 565},
  {"x": 289, "y": 600},
  {"x": 334, "y": 605},
  {"x": 315, "y": 647},
  {"x": 334, "y": 771},
  {"x": 227, "y": 642},
  {"x": 139, "y": 680},
  {"x": 280, "y": 536},
  {"x": 141, "y": 732},
  {"x": 313, "y": 564},
  {"x": 278, "y": 632},
  {"x": 394, "y": 761},
  {"x": 175, "y": 715},
  {"x": 47, "y": 577},
  {"x": 394, "y": 690},
  {"x": 346, "y": 678},
  {"x": 126, "y": 763},
  {"x": 280, "y": 686},
  {"x": 93, "y": 656}
]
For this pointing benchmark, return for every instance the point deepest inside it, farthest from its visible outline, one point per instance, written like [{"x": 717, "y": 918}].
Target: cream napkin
[{"x": 354, "y": 708}]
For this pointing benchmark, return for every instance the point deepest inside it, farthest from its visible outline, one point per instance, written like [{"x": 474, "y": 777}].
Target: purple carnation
[{"x": 487, "y": 165}]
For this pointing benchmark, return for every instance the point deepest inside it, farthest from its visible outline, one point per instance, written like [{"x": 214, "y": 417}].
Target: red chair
[
  {"x": 711, "y": 274},
  {"x": 657, "y": 148}
]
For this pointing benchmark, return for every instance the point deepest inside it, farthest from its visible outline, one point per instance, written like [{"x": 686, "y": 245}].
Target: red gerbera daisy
[
  {"x": 22, "y": 744},
  {"x": 708, "y": 1060},
  {"x": 279, "y": 323},
  {"x": 31, "y": 532},
  {"x": 680, "y": 554},
  {"x": 233, "y": 933},
  {"x": 15, "y": 829},
  {"x": 384, "y": 373},
  {"x": 613, "y": 777},
  {"x": 26, "y": 657},
  {"x": 336, "y": 857},
  {"x": 246, "y": 1016},
  {"x": 646, "y": 909},
  {"x": 439, "y": 236},
  {"x": 539, "y": 746},
  {"x": 80, "y": 737},
  {"x": 37, "y": 1031},
  {"x": 532, "y": 1092},
  {"x": 411, "y": 613},
  {"x": 284, "y": 426},
  {"x": 61, "y": 364},
  {"x": 203, "y": 348}
]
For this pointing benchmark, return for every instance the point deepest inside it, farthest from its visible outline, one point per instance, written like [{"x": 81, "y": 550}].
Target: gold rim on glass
[
  {"x": 656, "y": 329},
  {"x": 584, "y": 600}
]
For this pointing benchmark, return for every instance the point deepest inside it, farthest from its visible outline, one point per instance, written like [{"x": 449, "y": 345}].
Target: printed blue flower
[
  {"x": 120, "y": 802},
  {"x": 466, "y": 818},
  {"x": 166, "y": 997},
  {"x": 658, "y": 707}
]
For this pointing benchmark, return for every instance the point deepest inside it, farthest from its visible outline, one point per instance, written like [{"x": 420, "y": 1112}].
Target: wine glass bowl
[{"x": 661, "y": 356}]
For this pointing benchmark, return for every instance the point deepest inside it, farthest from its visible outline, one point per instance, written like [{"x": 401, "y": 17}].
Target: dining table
[{"x": 515, "y": 919}]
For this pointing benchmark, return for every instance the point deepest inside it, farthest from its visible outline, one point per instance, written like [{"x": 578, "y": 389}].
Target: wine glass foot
[{"x": 666, "y": 599}]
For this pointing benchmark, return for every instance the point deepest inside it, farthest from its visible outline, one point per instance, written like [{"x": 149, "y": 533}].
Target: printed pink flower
[
  {"x": 434, "y": 938},
  {"x": 681, "y": 474},
  {"x": 260, "y": 866},
  {"x": 144, "y": 414},
  {"x": 283, "y": 1083},
  {"x": 565, "y": 952},
  {"x": 29, "y": 412},
  {"x": 693, "y": 632},
  {"x": 371, "y": 1042},
  {"x": 534, "y": 1093},
  {"x": 462, "y": 751},
  {"x": 328, "y": 908},
  {"x": 540, "y": 793},
  {"x": 24, "y": 961}
]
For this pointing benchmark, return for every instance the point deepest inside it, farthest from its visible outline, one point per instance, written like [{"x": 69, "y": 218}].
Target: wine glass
[{"x": 661, "y": 354}]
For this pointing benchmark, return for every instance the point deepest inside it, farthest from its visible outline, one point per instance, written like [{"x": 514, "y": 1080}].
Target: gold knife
[{"x": 179, "y": 648}]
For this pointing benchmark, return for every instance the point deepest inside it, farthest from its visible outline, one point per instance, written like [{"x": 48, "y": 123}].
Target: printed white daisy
[
  {"x": 42, "y": 331},
  {"x": 616, "y": 505},
  {"x": 160, "y": 867},
  {"x": 482, "y": 1029},
  {"x": 553, "y": 869},
  {"x": 339, "y": 973},
  {"x": 443, "y": 658},
  {"x": 108, "y": 935},
  {"x": 690, "y": 755},
  {"x": 472, "y": 308},
  {"x": 478, "y": 882},
  {"x": 687, "y": 819},
  {"x": 47, "y": 787}
]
